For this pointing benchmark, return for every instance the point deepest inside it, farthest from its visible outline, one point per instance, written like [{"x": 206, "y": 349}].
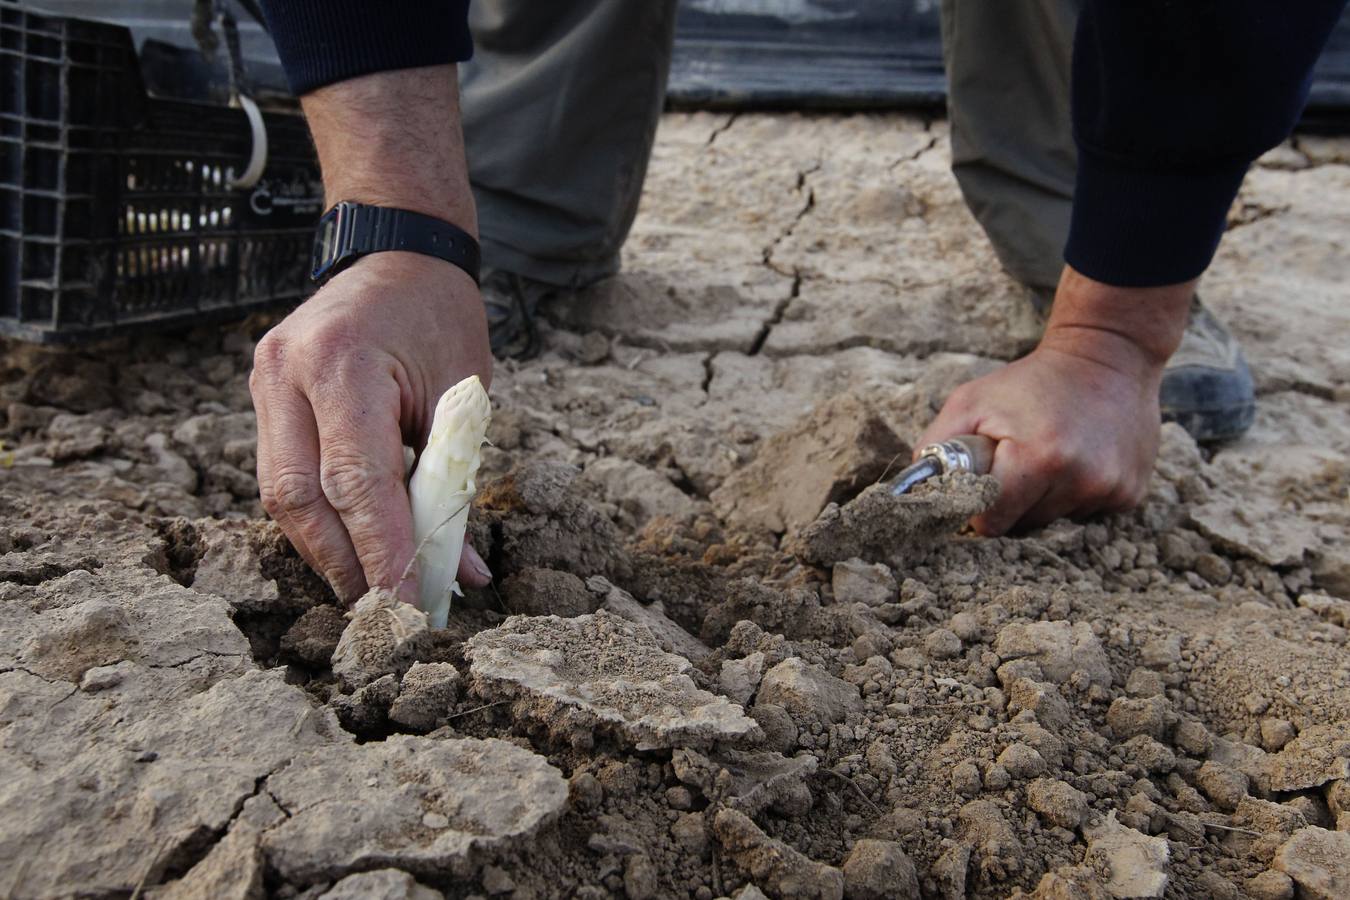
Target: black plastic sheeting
[
  {"x": 729, "y": 54},
  {"x": 863, "y": 54}
]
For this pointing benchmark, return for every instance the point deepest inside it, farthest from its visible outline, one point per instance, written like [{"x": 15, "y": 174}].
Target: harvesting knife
[{"x": 963, "y": 453}]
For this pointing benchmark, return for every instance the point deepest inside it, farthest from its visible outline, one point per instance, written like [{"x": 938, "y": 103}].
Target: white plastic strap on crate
[{"x": 257, "y": 160}]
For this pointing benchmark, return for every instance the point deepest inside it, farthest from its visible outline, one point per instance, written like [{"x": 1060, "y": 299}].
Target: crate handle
[{"x": 257, "y": 160}]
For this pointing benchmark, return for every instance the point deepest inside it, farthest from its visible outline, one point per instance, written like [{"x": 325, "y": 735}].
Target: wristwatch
[{"x": 351, "y": 230}]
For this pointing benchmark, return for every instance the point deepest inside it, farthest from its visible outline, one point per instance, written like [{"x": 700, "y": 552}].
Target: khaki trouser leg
[
  {"x": 561, "y": 103},
  {"x": 1012, "y": 142}
]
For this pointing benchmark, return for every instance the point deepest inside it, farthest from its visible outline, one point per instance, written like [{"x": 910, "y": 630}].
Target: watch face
[{"x": 325, "y": 244}]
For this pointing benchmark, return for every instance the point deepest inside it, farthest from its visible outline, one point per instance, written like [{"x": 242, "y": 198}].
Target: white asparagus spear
[{"x": 441, "y": 489}]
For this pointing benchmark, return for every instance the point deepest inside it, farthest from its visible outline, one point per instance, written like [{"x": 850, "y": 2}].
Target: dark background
[{"x": 831, "y": 54}]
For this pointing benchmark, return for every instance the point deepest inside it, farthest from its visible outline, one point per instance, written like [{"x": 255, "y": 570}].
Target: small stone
[
  {"x": 435, "y": 820},
  {"x": 1022, "y": 761},
  {"x": 1214, "y": 569},
  {"x": 870, "y": 644},
  {"x": 966, "y": 626},
  {"x": 1070, "y": 883},
  {"x": 594, "y": 348},
  {"x": 879, "y": 870},
  {"x": 996, "y": 778},
  {"x": 102, "y": 678},
  {"x": 949, "y": 871},
  {"x": 1040, "y": 698},
  {"x": 780, "y": 732},
  {"x": 315, "y": 635},
  {"x": 1214, "y": 886},
  {"x": 585, "y": 791},
  {"x": 942, "y": 644},
  {"x": 908, "y": 658},
  {"x": 1059, "y": 802},
  {"x": 1153, "y": 756}
]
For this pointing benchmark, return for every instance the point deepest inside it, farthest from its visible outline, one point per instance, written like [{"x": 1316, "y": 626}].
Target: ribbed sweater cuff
[
  {"x": 1135, "y": 228},
  {"x": 323, "y": 41}
]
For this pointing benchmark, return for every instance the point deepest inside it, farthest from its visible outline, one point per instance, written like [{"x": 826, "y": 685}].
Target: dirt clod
[
  {"x": 600, "y": 671},
  {"x": 383, "y": 637},
  {"x": 826, "y": 457},
  {"x": 782, "y": 871},
  {"x": 879, "y": 527}
]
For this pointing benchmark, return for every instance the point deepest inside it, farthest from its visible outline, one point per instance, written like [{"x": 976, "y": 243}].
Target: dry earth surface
[{"x": 676, "y": 686}]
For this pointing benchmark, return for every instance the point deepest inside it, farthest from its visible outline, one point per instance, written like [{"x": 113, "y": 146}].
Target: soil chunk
[
  {"x": 1318, "y": 861},
  {"x": 315, "y": 635},
  {"x": 671, "y": 637},
  {"x": 826, "y": 457},
  {"x": 781, "y": 870},
  {"x": 1059, "y": 802},
  {"x": 1137, "y": 864},
  {"x": 880, "y": 870},
  {"x": 809, "y": 693},
  {"x": 384, "y": 637},
  {"x": 425, "y": 696},
  {"x": 233, "y": 870},
  {"x": 1059, "y": 648},
  {"x": 600, "y": 671},
  {"x": 546, "y": 592},
  {"x": 855, "y": 581},
  {"x": 879, "y": 527},
  {"x": 426, "y": 806},
  {"x": 382, "y": 884}
]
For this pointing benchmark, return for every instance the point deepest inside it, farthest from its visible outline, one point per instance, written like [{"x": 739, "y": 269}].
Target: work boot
[
  {"x": 511, "y": 301},
  {"x": 1207, "y": 388}
]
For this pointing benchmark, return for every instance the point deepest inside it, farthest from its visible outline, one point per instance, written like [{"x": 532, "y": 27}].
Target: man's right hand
[
  {"x": 355, "y": 373},
  {"x": 339, "y": 387}
]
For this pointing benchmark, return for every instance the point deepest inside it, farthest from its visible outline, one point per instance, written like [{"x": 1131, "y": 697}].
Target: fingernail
[
  {"x": 476, "y": 563},
  {"x": 481, "y": 568}
]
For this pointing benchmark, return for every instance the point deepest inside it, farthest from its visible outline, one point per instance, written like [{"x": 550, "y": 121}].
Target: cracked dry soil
[{"x": 676, "y": 687}]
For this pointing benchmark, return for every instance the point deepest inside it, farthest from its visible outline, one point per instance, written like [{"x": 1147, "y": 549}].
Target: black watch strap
[{"x": 351, "y": 230}]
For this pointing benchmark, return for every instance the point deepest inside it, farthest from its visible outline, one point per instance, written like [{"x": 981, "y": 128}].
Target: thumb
[{"x": 473, "y": 572}]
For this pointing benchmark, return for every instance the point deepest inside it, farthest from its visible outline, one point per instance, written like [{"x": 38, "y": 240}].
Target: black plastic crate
[{"x": 116, "y": 210}]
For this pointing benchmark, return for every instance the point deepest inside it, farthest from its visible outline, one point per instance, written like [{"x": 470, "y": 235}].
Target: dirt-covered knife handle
[{"x": 963, "y": 453}]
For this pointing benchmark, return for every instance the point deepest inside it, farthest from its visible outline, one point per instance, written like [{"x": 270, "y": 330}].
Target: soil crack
[{"x": 721, "y": 129}]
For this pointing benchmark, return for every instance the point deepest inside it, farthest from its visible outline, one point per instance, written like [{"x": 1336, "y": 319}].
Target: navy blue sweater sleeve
[
  {"x": 1172, "y": 101},
  {"x": 323, "y": 41}
]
